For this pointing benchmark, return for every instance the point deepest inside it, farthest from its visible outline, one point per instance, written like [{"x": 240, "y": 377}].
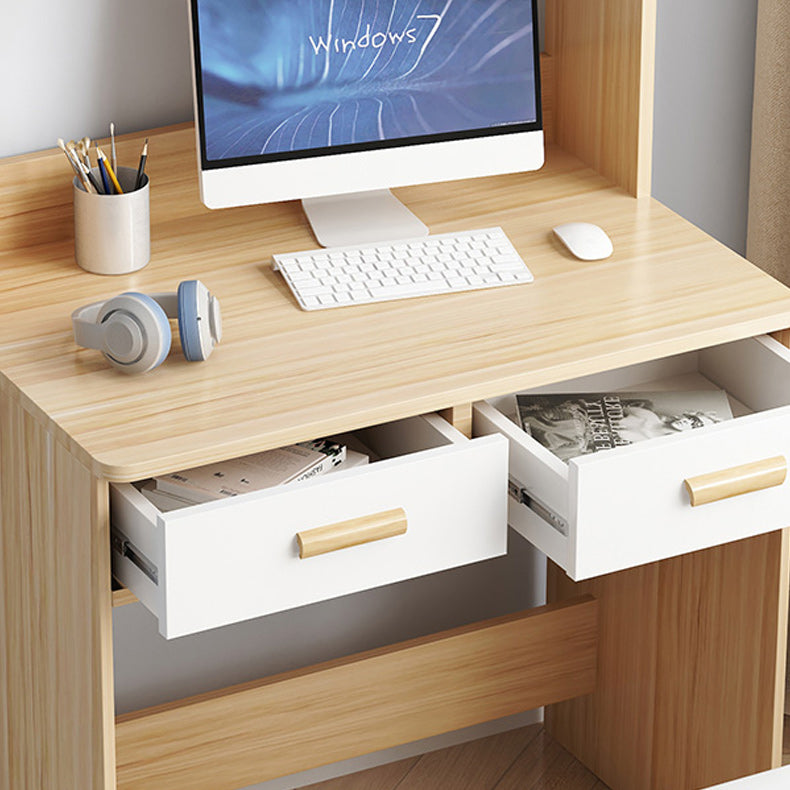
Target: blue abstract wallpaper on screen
[{"x": 283, "y": 76}]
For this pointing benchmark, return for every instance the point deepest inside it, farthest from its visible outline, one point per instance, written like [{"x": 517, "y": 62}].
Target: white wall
[
  {"x": 703, "y": 111},
  {"x": 69, "y": 68}
]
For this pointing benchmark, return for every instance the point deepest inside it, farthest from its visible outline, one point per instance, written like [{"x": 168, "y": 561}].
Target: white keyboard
[{"x": 444, "y": 263}]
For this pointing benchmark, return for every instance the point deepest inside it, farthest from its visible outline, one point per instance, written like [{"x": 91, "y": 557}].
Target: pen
[
  {"x": 141, "y": 167},
  {"x": 108, "y": 168}
]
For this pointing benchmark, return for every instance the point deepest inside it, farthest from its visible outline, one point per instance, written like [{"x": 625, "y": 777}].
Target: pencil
[
  {"x": 109, "y": 170},
  {"x": 141, "y": 167}
]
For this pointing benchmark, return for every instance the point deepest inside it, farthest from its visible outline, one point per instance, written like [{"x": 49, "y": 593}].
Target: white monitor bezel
[{"x": 364, "y": 170}]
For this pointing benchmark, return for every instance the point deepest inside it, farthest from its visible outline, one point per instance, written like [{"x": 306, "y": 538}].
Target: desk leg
[
  {"x": 690, "y": 668},
  {"x": 56, "y": 693}
]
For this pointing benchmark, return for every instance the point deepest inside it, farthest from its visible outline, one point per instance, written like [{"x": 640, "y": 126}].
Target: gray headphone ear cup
[{"x": 135, "y": 333}]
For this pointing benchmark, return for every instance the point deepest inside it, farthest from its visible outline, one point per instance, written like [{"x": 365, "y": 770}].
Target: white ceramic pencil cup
[{"x": 112, "y": 233}]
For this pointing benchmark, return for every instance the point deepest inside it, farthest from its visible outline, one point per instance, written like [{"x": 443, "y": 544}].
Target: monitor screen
[{"x": 278, "y": 80}]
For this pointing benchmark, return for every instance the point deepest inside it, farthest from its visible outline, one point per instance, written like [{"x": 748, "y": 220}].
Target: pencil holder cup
[{"x": 112, "y": 233}]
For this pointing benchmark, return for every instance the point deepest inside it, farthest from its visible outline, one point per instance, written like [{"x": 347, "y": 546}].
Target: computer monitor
[{"x": 336, "y": 101}]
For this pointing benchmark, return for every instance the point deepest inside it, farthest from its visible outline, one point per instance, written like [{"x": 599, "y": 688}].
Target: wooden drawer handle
[
  {"x": 353, "y": 532},
  {"x": 737, "y": 480}
]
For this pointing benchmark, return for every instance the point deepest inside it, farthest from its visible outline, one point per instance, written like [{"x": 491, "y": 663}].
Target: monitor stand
[{"x": 361, "y": 218}]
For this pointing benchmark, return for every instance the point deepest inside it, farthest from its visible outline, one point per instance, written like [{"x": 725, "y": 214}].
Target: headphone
[{"x": 133, "y": 332}]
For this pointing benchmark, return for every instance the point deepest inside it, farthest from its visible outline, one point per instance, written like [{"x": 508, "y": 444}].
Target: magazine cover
[
  {"x": 269, "y": 468},
  {"x": 581, "y": 423}
]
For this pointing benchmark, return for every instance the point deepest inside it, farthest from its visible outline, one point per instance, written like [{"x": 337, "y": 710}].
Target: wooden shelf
[
  {"x": 362, "y": 703},
  {"x": 121, "y": 596}
]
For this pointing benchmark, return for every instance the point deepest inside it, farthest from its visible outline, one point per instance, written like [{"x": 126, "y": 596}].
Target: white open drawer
[
  {"x": 238, "y": 558},
  {"x": 629, "y": 505}
]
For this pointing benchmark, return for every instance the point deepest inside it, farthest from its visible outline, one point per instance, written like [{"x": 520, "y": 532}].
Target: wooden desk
[
  {"x": 690, "y": 650},
  {"x": 71, "y": 424}
]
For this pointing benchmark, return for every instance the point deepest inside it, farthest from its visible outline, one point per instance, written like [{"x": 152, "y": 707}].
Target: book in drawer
[
  {"x": 436, "y": 501},
  {"x": 666, "y": 496}
]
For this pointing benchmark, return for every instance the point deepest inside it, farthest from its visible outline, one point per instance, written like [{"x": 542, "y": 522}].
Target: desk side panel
[
  {"x": 690, "y": 668},
  {"x": 56, "y": 680}
]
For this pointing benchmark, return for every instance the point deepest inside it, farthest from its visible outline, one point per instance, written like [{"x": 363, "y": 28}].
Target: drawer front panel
[
  {"x": 631, "y": 506},
  {"x": 232, "y": 560}
]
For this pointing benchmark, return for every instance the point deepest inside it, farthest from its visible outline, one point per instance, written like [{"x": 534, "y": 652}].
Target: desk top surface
[{"x": 282, "y": 375}]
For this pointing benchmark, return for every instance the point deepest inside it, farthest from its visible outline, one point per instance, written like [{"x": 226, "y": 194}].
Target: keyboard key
[
  {"x": 316, "y": 290},
  {"x": 392, "y": 292},
  {"x": 507, "y": 266}
]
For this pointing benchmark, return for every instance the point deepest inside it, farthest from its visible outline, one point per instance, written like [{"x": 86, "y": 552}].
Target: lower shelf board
[
  {"x": 276, "y": 726},
  {"x": 121, "y": 596}
]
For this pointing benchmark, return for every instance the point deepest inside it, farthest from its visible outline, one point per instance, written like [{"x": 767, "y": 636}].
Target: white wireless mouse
[{"x": 586, "y": 241}]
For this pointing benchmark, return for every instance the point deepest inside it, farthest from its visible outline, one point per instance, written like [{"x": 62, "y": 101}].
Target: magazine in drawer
[{"x": 436, "y": 500}]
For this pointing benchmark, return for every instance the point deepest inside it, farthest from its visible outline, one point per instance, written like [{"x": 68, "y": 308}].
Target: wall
[
  {"x": 69, "y": 68},
  {"x": 703, "y": 112}
]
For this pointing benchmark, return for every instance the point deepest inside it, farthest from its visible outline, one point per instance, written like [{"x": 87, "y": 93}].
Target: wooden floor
[{"x": 525, "y": 759}]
